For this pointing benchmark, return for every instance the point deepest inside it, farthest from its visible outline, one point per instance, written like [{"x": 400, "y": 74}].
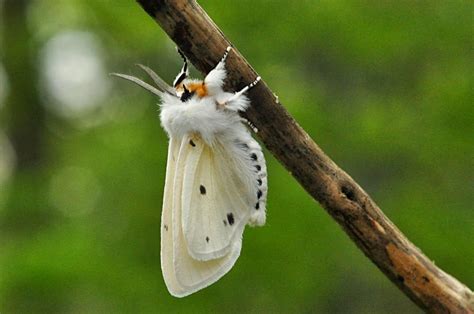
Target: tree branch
[{"x": 403, "y": 263}]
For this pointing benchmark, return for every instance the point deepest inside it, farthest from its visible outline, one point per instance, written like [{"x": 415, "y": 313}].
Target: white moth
[{"x": 216, "y": 180}]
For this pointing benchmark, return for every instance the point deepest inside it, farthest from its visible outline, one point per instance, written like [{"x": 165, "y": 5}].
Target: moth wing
[
  {"x": 167, "y": 227},
  {"x": 187, "y": 273},
  {"x": 191, "y": 215},
  {"x": 215, "y": 209},
  {"x": 193, "y": 275}
]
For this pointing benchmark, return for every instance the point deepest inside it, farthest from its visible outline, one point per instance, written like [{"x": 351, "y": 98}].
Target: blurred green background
[{"x": 384, "y": 87}]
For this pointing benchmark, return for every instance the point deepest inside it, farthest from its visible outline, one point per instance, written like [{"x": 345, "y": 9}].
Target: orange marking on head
[{"x": 199, "y": 88}]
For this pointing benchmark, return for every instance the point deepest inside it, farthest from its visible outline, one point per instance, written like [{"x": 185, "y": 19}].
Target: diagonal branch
[{"x": 403, "y": 263}]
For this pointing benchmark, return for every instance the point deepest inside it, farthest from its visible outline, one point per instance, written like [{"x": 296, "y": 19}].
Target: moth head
[
  {"x": 189, "y": 88},
  {"x": 186, "y": 88},
  {"x": 185, "y": 94}
]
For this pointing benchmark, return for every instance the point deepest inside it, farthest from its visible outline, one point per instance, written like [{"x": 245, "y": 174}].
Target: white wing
[
  {"x": 184, "y": 274},
  {"x": 167, "y": 266},
  {"x": 215, "y": 208}
]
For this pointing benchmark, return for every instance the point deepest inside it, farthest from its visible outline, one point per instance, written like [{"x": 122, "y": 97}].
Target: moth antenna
[
  {"x": 184, "y": 73},
  {"x": 243, "y": 90},
  {"x": 140, "y": 83},
  {"x": 160, "y": 83}
]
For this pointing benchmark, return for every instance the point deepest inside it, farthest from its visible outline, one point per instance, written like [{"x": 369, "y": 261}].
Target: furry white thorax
[{"x": 204, "y": 116}]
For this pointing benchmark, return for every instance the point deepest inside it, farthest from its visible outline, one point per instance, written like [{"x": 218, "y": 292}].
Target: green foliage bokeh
[{"x": 385, "y": 88}]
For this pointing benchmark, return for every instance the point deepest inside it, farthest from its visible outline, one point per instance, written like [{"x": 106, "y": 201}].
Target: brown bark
[{"x": 403, "y": 263}]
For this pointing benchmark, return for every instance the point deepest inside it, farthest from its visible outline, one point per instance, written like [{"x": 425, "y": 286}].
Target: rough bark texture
[{"x": 403, "y": 263}]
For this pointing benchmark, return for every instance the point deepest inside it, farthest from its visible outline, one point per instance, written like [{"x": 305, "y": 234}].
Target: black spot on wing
[
  {"x": 202, "y": 189},
  {"x": 166, "y": 227},
  {"x": 230, "y": 218},
  {"x": 207, "y": 239},
  {"x": 258, "y": 167},
  {"x": 192, "y": 143},
  {"x": 257, "y": 206},
  {"x": 259, "y": 194},
  {"x": 253, "y": 156},
  {"x": 259, "y": 181}
]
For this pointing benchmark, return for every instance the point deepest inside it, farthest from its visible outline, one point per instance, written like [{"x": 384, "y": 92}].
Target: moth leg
[
  {"x": 221, "y": 63},
  {"x": 250, "y": 124},
  {"x": 184, "y": 73},
  {"x": 243, "y": 90},
  {"x": 215, "y": 79},
  {"x": 238, "y": 101}
]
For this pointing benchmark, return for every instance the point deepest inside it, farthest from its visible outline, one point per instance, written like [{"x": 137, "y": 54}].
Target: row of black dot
[{"x": 253, "y": 156}]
